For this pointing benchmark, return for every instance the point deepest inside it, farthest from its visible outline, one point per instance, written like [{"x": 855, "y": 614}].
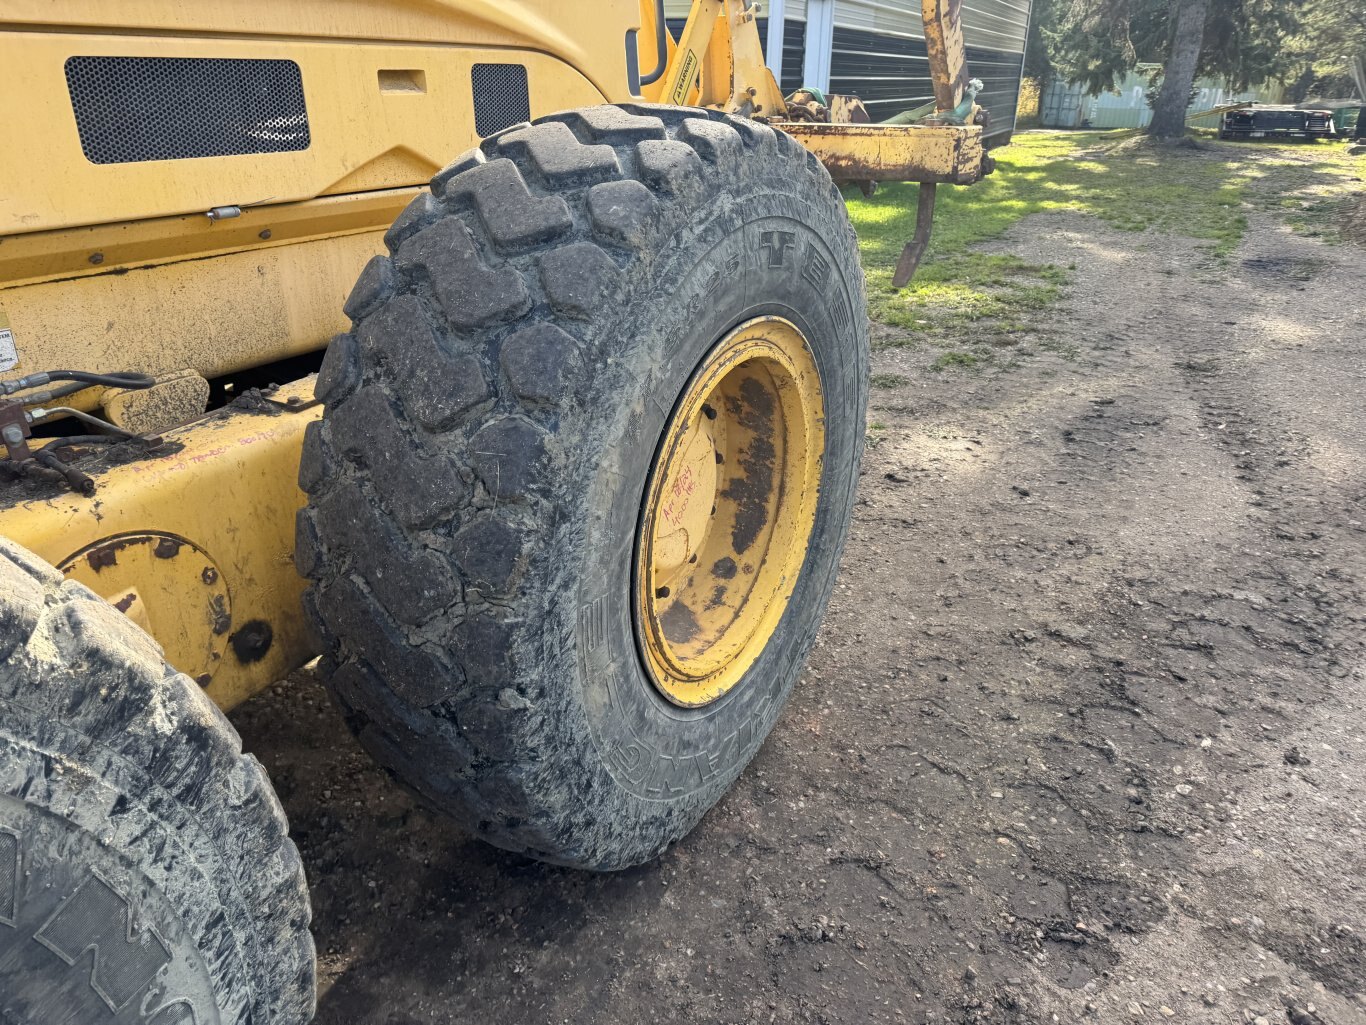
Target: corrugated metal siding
[
  {"x": 997, "y": 25},
  {"x": 890, "y": 73},
  {"x": 989, "y": 24},
  {"x": 1000, "y": 75},
  {"x": 879, "y": 52},
  {"x": 879, "y": 55},
  {"x": 1060, "y": 106},
  {"x": 794, "y": 51},
  {"x": 680, "y": 8}
]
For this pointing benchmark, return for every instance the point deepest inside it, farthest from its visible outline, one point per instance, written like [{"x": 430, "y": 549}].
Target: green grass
[
  {"x": 888, "y": 380},
  {"x": 983, "y": 302},
  {"x": 1305, "y": 185},
  {"x": 965, "y": 360}
]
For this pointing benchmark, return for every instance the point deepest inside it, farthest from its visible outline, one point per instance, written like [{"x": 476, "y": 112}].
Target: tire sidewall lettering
[{"x": 50, "y": 932}]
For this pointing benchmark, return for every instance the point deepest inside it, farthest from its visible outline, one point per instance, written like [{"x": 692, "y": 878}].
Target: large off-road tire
[
  {"x": 493, "y": 421},
  {"x": 146, "y": 873}
]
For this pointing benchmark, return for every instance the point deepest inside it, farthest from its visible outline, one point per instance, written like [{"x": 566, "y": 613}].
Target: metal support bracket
[
  {"x": 15, "y": 430},
  {"x": 915, "y": 248}
]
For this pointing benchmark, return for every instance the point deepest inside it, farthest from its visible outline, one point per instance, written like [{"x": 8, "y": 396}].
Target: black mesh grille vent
[
  {"x": 172, "y": 108},
  {"x": 501, "y": 99}
]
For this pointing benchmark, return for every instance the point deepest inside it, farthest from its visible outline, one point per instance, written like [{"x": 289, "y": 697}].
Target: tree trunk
[{"x": 1178, "y": 76}]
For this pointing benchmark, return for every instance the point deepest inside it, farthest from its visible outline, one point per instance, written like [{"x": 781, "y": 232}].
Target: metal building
[
  {"x": 875, "y": 49},
  {"x": 1069, "y": 105}
]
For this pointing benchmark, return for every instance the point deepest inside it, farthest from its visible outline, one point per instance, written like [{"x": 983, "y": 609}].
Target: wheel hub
[{"x": 729, "y": 511}]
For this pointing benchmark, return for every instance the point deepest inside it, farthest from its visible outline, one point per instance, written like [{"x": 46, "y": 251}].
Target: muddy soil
[{"x": 1084, "y": 735}]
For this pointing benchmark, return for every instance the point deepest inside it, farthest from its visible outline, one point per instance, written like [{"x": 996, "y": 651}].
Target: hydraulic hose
[{"x": 85, "y": 378}]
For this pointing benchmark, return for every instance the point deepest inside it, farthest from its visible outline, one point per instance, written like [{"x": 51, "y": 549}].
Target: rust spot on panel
[
  {"x": 222, "y": 618},
  {"x": 251, "y": 643},
  {"x": 679, "y": 624},
  {"x": 168, "y": 548},
  {"x": 101, "y": 557},
  {"x": 108, "y": 554},
  {"x": 751, "y": 491}
]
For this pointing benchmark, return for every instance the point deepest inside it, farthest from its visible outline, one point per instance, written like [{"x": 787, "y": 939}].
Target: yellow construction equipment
[{"x": 510, "y": 355}]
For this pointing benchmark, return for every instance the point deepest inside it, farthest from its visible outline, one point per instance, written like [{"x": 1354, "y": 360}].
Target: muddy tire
[
  {"x": 476, "y": 482},
  {"x": 146, "y": 873}
]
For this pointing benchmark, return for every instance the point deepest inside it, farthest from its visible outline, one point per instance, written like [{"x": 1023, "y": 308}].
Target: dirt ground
[{"x": 1083, "y": 739}]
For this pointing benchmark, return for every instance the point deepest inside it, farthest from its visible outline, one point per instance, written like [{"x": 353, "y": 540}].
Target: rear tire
[
  {"x": 477, "y": 480},
  {"x": 146, "y": 872}
]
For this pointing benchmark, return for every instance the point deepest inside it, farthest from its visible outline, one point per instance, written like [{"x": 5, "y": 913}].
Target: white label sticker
[{"x": 9, "y": 355}]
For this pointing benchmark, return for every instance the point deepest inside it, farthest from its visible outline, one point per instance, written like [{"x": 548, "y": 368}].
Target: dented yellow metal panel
[
  {"x": 206, "y": 539},
  {"x": 214, "y": 316},
  {"x": 919, "y": 153}
]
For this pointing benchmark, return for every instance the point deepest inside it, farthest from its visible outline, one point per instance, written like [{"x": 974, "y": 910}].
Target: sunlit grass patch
[
  {"x": 1306, "y": 184},
  {"x": 955, "y": 358},
  {"x": 965, "y": 300}
]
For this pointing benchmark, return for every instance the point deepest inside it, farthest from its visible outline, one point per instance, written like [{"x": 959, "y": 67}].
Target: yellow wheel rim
[{"x": 729, "y": 511}]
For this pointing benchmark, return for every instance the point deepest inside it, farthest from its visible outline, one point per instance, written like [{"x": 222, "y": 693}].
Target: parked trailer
[{"x": 1267, "y": 121}]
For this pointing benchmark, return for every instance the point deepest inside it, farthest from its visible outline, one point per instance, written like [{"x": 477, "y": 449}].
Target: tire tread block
[
  {"x": 560, "y": 158},
  {"x": 421, "y": 489},
  {"x": 470, "y": 293},
  {"x": 578, "y": 279},
  {"x": 434, "y": 387},
  {"x": 515, "y": 219}
]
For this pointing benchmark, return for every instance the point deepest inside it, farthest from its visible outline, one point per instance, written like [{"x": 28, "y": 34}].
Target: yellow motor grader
[{"x": 549, "y": 450}]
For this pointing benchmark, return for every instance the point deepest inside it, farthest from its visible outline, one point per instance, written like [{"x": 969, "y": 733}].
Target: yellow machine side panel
[
  {"x": 588, "y": 34},
  {"x": 379, "y": 116}
]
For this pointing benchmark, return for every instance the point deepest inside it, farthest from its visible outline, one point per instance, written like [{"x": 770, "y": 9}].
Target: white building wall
[
  {"x": 990, "y": 24},
  {"x": 680, "y": 8}
]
